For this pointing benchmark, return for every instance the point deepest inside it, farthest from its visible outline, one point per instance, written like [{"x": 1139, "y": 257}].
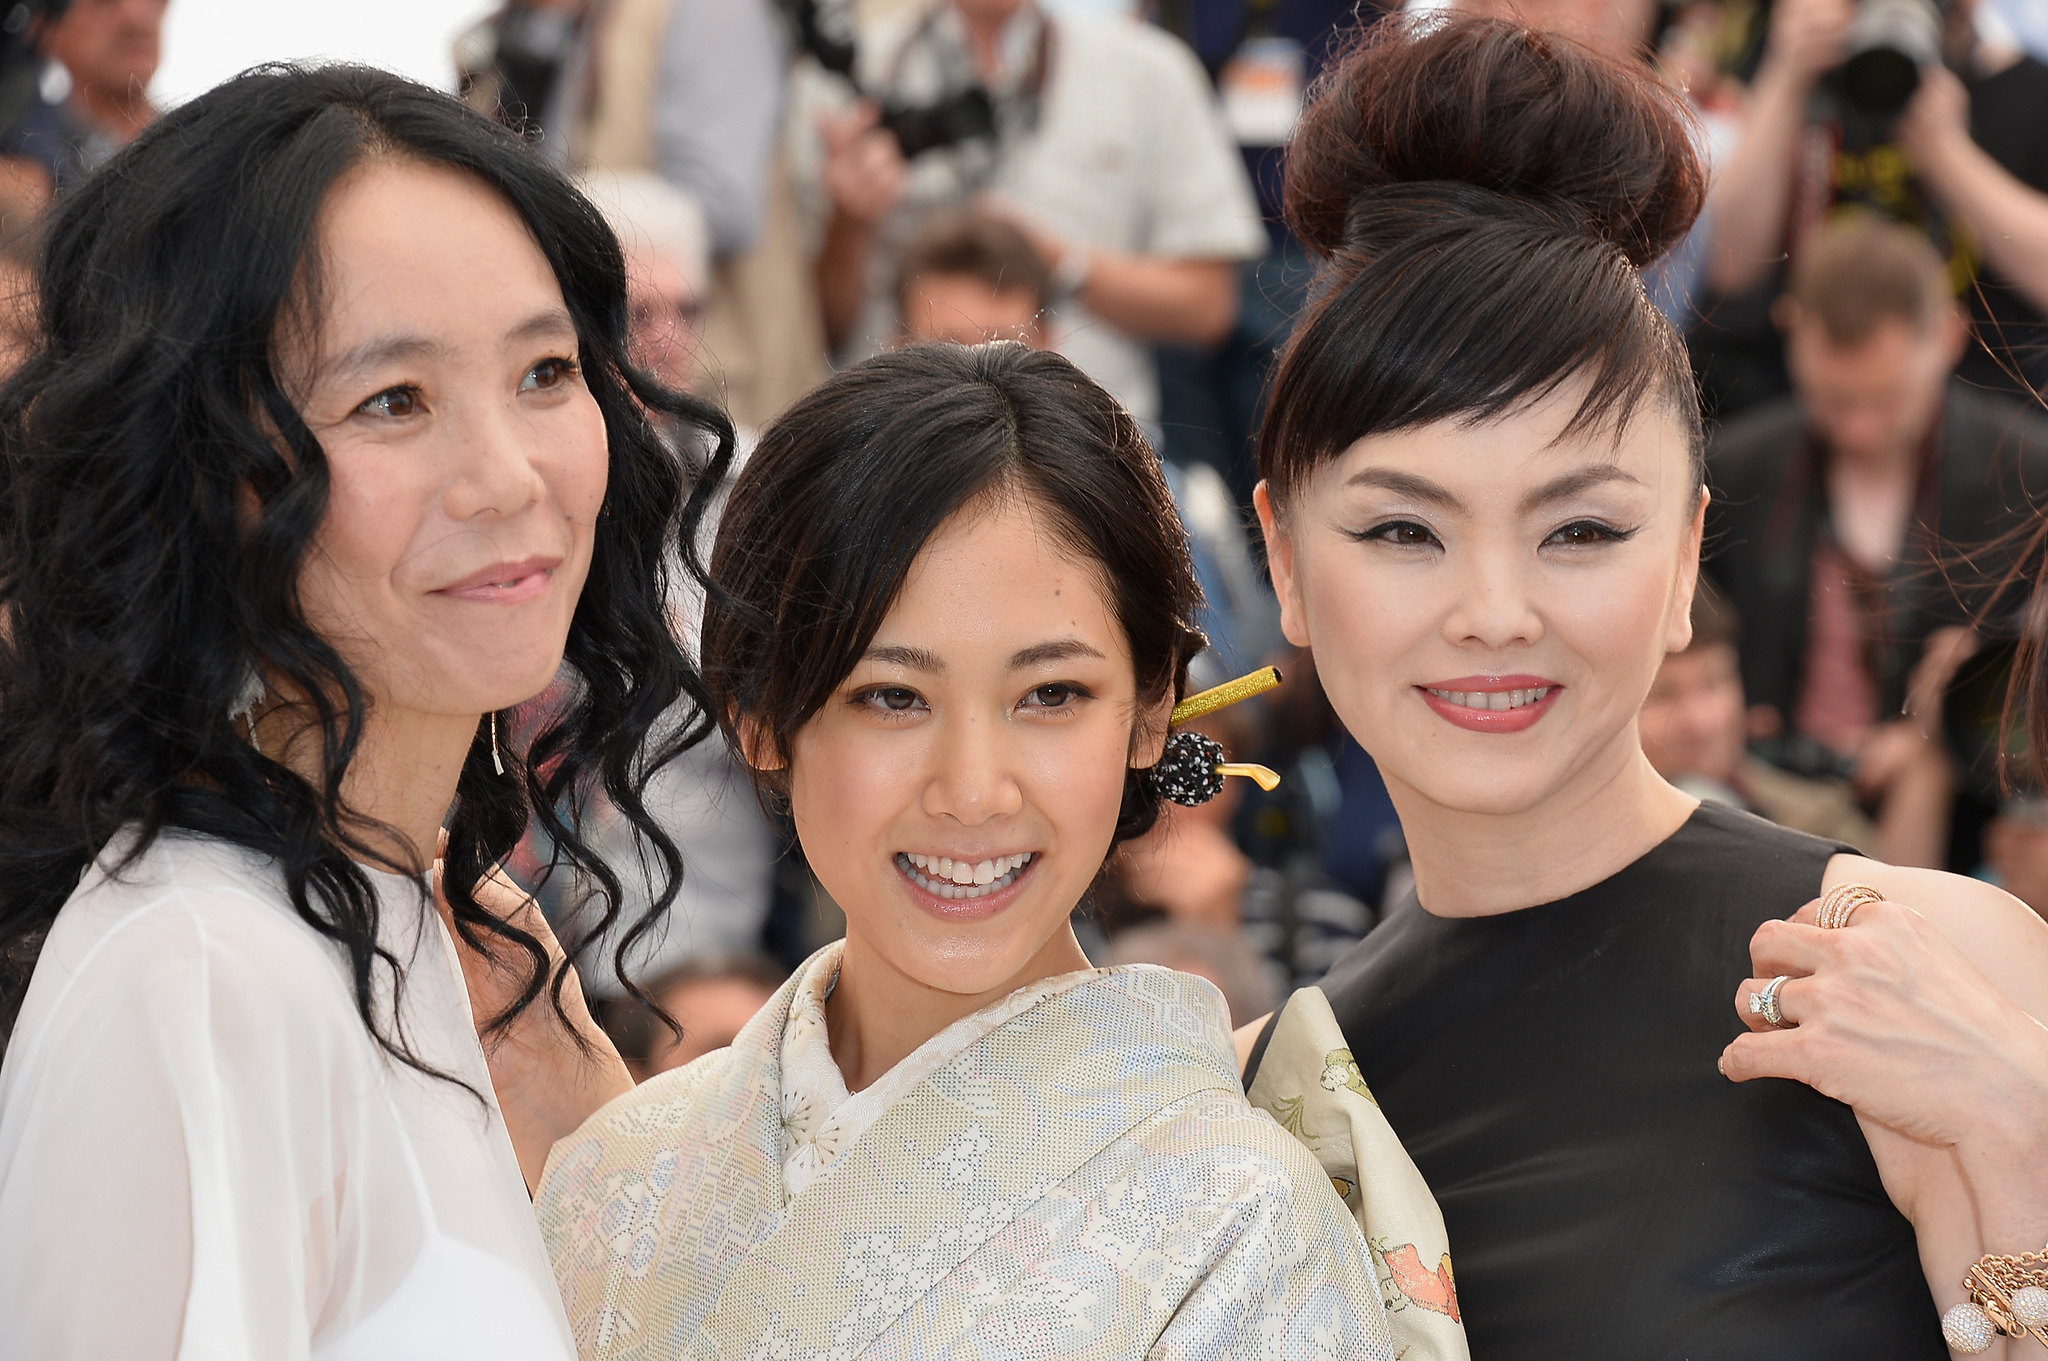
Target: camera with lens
[
  {"x": 963, "y": 115},
  {"x": 22, "y": 24},
  {"x": 1890, "y": 44}
]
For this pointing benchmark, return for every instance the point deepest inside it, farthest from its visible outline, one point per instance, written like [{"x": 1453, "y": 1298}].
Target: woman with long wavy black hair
[{"x": 329, "y": 455}]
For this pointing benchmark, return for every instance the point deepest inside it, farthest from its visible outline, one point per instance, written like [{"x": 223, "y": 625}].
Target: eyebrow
[
  {"x": 404, "y": 346},
  {"x": 1563, "y": 488},
  {"x": 1406, "y": 484},
  {"x": 1061, "y": 650},
  {"x": 1038, "y": 654},
  {"x": 911, "y": 658},
  {"x": 1573, "y": 483}
]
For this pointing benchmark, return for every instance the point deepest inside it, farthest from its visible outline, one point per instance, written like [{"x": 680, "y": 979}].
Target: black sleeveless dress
[{"x": 1608, "y": 1194}]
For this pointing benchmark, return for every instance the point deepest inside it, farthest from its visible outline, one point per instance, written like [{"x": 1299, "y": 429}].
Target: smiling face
[
  {"x": 467, "y": 458},
  {"x": 1489, "y": 603},
  {"x": 960, "y": 789}
]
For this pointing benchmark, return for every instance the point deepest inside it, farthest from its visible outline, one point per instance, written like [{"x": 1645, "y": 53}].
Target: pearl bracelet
[{"x": 2008, "y": 1295}]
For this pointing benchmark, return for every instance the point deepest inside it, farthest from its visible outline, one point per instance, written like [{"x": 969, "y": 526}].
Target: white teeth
[
  {"x": 1496, "y": 701},
  {"x": 957, "y": 879}
]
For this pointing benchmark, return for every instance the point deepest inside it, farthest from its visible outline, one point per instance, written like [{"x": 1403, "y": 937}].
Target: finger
[
  {"x": 1808, "y": 915},
  {"x": 1754, "y": 1020},
  {"x": 1790, "y": 947},
  {"x": 1771, "y": 1053}
]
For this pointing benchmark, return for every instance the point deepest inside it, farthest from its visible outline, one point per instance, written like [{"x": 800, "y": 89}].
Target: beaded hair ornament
[{"x": 1191, "y": 769}]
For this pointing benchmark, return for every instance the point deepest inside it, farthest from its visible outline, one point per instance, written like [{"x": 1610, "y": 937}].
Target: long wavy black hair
[{"x": 159, "y": 492}]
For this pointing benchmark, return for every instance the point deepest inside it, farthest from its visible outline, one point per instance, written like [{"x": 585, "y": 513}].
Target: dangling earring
[
  {"x": 246, "y": 700},
  {"x": 496, "y": 761}
]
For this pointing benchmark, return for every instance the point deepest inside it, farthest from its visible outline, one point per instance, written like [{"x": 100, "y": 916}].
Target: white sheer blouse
[{"x": 203, "y": 1154}]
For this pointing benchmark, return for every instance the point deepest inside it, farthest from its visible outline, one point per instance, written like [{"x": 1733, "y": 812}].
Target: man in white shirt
[{"x": 1109, "y": 152}]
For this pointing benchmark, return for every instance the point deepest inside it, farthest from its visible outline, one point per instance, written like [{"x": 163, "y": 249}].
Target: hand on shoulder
[
  {"x": 1923, "y": 1014},
  {"x": 1996, "y": 932}
]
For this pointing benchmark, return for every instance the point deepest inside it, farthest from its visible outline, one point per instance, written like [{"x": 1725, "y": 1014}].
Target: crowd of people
[
  {"x": 1860, "y": 298},
  {"x": 802, "y": 183},
  {"x": 740, "y": 467}
]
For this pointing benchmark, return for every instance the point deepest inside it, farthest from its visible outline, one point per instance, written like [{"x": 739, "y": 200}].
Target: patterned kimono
[{"x": 1071, "y": 1173}]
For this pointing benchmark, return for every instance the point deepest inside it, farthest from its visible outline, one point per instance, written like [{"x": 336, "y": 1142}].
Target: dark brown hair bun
[
  {"x": 1601, "y": 144},
  {"x": 1484, "y": 196}
]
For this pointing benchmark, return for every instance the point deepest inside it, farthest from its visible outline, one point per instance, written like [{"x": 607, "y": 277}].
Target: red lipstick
[{"x": 1492, "y": 704}]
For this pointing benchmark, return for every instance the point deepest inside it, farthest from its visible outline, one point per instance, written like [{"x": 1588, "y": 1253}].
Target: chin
[
  {"x": 1483, "y": 791},
  {"x": 512, "y": 682}
]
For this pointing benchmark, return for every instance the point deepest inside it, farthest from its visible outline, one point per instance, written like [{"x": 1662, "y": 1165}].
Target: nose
[
  {"x": 1493, "y": 610},
  {"x": 494, "y": 473},
  {"x": 973, "y": 780}
]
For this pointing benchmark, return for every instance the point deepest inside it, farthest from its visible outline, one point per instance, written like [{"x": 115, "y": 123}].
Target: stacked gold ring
[{"x": 1840, "y": 903}]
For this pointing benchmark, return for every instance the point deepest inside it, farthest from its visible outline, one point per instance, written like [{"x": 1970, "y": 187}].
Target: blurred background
[{"x": 800, "y": 183}]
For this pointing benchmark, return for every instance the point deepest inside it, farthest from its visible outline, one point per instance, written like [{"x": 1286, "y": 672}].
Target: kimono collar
[{"x": 820, "y": 1118}]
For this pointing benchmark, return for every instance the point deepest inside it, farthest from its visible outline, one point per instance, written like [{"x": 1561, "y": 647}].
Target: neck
[
  {"x": 879, "y": 1015},
  {"x": 402, "y": 778},
  {"x": 1892, "y": 462},
  {"x": 1484, "y": 864},
  {"x": 985, "y": 39},
  {"x": 121, "y": 112}
]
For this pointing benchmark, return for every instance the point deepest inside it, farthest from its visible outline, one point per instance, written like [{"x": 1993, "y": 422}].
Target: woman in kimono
[
  {"x": 953, "y": 610},
  {"x": 1483, "y": 505}
]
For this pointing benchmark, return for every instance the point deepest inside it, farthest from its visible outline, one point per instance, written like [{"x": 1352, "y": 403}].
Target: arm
[
  {"x": 548, "y": 1079},
  {"x": 2008, "y": 219},
  {"x": 1256, "y": 1187},
  {"x": 1751, "y": 195},
  {"x": 1926, "y": 1022},
  {"x": 865, "y": 175},
  {"x": 1144, "y": 296},
  {"x": 715, "y": 113},
  {"x": 1194, "y": 301}
]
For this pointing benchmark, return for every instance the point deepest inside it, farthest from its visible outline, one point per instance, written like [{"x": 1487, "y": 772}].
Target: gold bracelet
[{"x": 2008, "y": 1295}]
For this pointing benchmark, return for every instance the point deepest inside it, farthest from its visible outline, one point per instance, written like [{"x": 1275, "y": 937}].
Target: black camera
[
  {"x": 963, "y": 115},
  {"x": 1891, "y": 43},
  {"x": 22, "y": 24}
]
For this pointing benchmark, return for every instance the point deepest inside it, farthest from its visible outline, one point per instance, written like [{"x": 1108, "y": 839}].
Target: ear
[
  {"x": 1280, "y": 562},
  {"x": 1148, "y": 734},
  {"x": 1951, "y": 336},
  {"x": 757, "y": 745},
  {"x": 1678, "y": 634}
]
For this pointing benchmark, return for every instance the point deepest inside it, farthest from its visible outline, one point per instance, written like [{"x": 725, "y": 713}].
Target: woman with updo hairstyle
[
  {"x": 329, "y": 456},
  {"x": 1482, "y": 501}
]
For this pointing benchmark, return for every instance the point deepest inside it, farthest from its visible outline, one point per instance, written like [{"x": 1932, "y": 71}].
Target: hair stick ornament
[{"x": 1192, "y": 768}]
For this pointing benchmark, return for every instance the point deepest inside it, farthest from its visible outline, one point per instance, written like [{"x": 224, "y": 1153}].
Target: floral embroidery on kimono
[
  {"x": 1073, "y": 1173},
  {"x": 1312, "y": 1085}
]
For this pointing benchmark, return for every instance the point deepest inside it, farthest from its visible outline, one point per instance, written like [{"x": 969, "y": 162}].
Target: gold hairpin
[{"x": 1226, "y": 694}]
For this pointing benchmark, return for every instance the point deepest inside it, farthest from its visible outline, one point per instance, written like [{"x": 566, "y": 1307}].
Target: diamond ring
[{"x": 1764, "y": 1003}]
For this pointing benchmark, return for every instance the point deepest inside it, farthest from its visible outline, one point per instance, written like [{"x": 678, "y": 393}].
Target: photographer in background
[
  {"x": 1099, "y": 138},
  {"x": 1849, "y": 523},
  {"x": 1695, "y": 727},
  {"x": 106, "y": 53},
  {"x": 1852, "y": 107}
]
